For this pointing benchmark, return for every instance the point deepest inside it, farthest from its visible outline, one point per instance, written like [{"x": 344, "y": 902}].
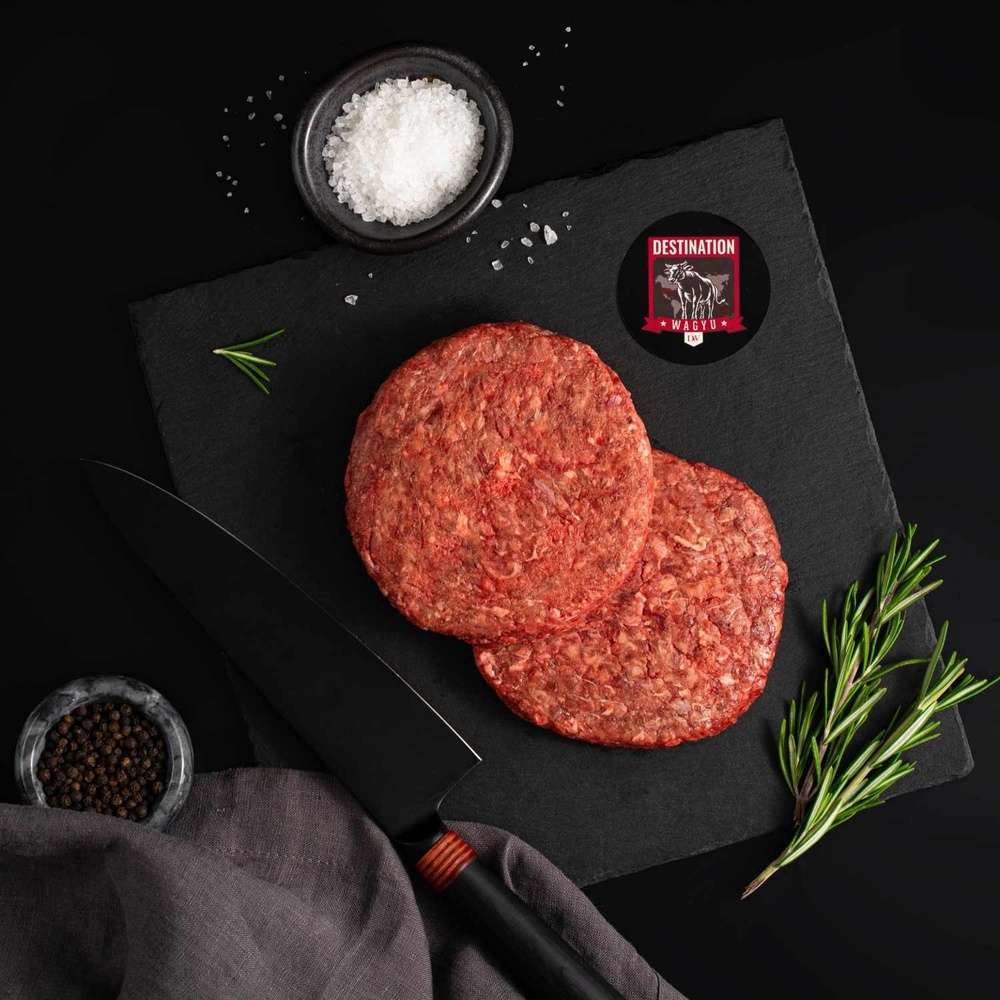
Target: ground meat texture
[
  {"x": 684, "y": 647},
  {"x": 500, "y": 484}
]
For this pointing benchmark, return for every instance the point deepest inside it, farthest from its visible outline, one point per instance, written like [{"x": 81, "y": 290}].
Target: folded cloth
[{"x": 270, "y": 884}]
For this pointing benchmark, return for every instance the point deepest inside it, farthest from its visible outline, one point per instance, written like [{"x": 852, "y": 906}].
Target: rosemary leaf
[
  {"x": 250, "y": 364},
  {"x": 831, "y": 779}
]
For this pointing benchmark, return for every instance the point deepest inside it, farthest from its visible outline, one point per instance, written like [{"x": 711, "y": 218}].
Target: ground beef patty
[
  {"x": 684, "y": 647},
  {"x": 500, "y": 484}
]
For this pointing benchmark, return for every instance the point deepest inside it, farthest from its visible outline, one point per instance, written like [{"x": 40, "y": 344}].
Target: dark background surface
[{"x": 112, "y": 141}]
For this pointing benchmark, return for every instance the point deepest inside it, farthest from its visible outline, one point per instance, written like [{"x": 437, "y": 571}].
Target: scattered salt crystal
[
  {"x": 226, "y": 110},
  {"x": 568, "y": 227},
  {"x": 371, "y": 274},
  {"x": 504, "y": 244},
  {"x": 534, "y": 227},
  {"x": 561, "y": 87},
  {"x": 229, "y": 194},
  {"x": 235, "y": 182},
  {"x": 246, "y": 211},
  {"x": 524, "y": 204},
  {"x": 531, "y": 48},
  {"x": 267, "y": 94},
  {"x": 525, "y": 63},
  {"x": 531, "y": 260},
  {"x": 550, "y": 235},
  {"x": 278, "y": 117},
  {"x": 526, "y": 242},
  {"x": 262, "y": 145},
  {"x": 565, "y": 215},
  {"x": 496, "y": 265},
  {"x": 225, "y": 138},
  {"x": 249, "y": 98},
  {"x": 229, "y": 177},
  {"x": 402, "y": 151},
  {"x": 281, "y": 78},
  {"x": 351, "y": 300},
  {"x": 568, "y": 28},
  {"x": 468, "y": 239},
  {"x": 566, "y": 45},
  {"x": 496, "y": 202},
  {"x": 560, "y": 104},
  {"x": 538, "y": 53},
  {"x": 218, "y": 173},
  {"x": 475, "y": 232},
  {"x": 251, "y": 116},
  {"x": 284, "y": 127}
]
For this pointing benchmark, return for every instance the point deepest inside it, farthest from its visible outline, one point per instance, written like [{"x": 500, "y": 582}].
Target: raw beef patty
[
  {"x": 684, "y": 647},
  {"x": 500, "y": 484}
]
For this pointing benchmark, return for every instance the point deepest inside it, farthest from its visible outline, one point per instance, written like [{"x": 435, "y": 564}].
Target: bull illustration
[{"x": 698, "y": 295}]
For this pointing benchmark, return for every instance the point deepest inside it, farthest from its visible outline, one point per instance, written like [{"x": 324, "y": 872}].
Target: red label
[{"x": 694, "y": 285}]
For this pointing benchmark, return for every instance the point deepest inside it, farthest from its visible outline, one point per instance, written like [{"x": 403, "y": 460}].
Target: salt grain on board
[
  {"x": 496, "y": 202},
  {"x": 504, "y": 244},
  {"x": 531, "y": 260},
  {"x": 550, "y": 236},
  {"x": 526, "y": 242},
  {"x": 565, "y": 214},
  {"x": 278, "y": 117},
  {"x": 533, "y": 226},
  {"x": 496, "y": 265},
  {"x": 249, "y": 98},
  {"x": 218, "y": 173},
  {"x": 351, "y": 300},
  {"x": 560, "y": 104}
]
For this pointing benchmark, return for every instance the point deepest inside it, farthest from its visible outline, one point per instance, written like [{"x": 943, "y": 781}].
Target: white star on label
[
  {"x": 723, "y": 322},
  {"x": 663, "y": 322}
]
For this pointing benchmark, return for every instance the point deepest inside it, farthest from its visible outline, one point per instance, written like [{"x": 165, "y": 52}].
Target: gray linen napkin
[{"x": 271, "y": 884}]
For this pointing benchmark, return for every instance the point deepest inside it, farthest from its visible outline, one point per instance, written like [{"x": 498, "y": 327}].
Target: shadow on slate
[{"x": 786, "y": 414}]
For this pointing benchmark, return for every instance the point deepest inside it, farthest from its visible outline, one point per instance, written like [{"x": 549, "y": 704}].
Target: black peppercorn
[{"x": 105, "y": 758}]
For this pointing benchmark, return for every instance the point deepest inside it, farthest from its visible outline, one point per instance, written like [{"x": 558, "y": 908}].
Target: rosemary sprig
[
  {"x": 829, "y": 785},
  {"x": 251, "y": 366}
]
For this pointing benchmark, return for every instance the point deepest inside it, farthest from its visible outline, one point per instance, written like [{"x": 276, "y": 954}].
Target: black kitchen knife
[{"x": 395, "y": 753}]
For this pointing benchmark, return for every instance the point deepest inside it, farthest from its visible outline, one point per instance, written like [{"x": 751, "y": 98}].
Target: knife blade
[
  {"x": 392, "y": 749},
  {"x": 386, "y": 743}
]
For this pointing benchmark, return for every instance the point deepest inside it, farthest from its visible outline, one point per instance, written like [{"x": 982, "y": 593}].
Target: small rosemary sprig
[
  {"x": 829, "y": 785},
  {"x": 251, "y": 366}
]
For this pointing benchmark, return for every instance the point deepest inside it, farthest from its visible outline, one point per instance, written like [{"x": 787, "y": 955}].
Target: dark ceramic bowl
[
  {"x": 411, "y": 61},
  {"x": 180, "y": 755}
]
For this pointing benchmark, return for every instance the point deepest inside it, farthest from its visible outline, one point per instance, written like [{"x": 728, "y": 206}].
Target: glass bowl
[{"x": 180, "y": 754}]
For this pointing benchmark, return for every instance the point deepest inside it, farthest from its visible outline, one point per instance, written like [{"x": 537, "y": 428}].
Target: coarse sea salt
[{"x": 404, "y": 150}]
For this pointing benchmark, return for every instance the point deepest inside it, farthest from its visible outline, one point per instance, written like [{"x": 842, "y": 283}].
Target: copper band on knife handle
[{"x": 443, "y": 862}]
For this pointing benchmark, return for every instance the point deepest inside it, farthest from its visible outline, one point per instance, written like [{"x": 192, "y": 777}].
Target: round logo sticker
[{"x": 693, "y": 288}]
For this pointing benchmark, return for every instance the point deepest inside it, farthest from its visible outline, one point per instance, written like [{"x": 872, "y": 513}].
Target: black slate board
[{"x": 786, "y": 414}]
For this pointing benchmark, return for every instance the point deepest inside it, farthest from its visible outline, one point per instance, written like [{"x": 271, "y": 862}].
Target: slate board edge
[{"x": 826, "y": 290}]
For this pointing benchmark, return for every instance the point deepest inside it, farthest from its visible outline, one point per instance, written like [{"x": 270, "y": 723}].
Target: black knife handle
[{"x": 544, "y": 964}]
